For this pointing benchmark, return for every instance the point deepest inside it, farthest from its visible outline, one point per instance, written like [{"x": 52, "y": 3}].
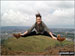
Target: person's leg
[
  {"x": 47, "y": 34},
  {"x": 29, "y": 34},
  {"x": 54, "y": 35}
]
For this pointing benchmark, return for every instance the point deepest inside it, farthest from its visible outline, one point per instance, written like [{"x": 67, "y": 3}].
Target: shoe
[
  {"x": 59, "y": 38},
  {"x": 17, "y": 35}
]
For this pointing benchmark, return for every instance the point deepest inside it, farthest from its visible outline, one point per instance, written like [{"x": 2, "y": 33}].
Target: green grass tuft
[{"x": 32, "y": 43}]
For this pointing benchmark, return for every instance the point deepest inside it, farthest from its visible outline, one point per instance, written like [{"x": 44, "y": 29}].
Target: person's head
[{"x": 38, "y": 18}]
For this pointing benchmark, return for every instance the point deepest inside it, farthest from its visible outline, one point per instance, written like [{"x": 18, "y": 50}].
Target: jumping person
[{"x": 39, "y": 29}]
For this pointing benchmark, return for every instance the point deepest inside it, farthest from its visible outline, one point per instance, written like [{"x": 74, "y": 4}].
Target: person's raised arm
[{"x": 46, "y": 29}]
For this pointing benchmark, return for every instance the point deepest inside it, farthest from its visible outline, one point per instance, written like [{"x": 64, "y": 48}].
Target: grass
[{"x": 32, "y": 43}]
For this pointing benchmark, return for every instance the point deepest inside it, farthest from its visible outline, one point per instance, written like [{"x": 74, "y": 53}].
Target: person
[{"x": 39, "y": 28}]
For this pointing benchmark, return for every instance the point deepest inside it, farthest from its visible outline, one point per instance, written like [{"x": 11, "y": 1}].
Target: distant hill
[
  {"x": 5, "y": 28},
  {"x": 8, "y": 30},
  {"x": 33, "y": 44}
]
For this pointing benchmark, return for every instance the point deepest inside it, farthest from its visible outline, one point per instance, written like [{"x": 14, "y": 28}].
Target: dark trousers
[{"x": 34, "y": 33}]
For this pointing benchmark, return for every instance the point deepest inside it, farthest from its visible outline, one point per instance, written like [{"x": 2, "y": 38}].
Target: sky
[{"x": 55, "y": 14}]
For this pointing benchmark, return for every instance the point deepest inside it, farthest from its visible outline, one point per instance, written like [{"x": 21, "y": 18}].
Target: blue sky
[{"x": 59, "y": 14}]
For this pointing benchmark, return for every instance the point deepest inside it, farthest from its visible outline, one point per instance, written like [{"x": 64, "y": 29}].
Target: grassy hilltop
[{"x": 33, "y": 44}]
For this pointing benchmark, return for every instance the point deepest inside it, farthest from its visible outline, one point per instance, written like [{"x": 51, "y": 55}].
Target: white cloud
[
  {"x": 23, "y": 12},
  {"x": 12, "y": 17},
  {"x": 64, "y": 12}
]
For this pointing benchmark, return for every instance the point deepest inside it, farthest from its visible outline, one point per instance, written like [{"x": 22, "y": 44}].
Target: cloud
[
  {"x": 12, "y": 17},
  {"x": 68, "y": 4},
  {"x": 64, "y": 12},
  {"x": 22, "y": 13}
]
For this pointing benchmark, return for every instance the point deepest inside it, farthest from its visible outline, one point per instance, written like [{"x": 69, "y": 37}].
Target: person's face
[{"x": 38, "y": 20}]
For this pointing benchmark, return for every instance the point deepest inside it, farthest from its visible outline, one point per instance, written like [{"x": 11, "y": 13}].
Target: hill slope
[{"x": 33, "y": 43}]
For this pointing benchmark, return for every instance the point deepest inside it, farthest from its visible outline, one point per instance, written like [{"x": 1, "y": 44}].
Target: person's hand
[
  {"x": 54, "y": 38},
  {"x": 21, "y": 33}
]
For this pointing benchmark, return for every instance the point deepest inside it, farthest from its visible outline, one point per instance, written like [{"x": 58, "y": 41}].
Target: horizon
[{"x": 48, "y": 27}]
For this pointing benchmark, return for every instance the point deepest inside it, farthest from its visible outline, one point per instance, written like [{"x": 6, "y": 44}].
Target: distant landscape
[{"x": 7, "y": 31}]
